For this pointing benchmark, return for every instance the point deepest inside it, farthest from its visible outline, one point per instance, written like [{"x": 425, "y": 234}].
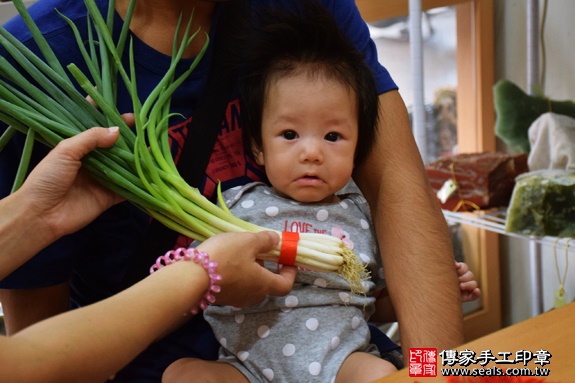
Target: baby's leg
[
  {"x": 201, "y": 371},
  {"x": 361, "y": 367}
]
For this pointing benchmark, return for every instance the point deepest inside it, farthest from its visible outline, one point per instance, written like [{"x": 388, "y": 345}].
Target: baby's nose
[{"x": 312, "y": 151}]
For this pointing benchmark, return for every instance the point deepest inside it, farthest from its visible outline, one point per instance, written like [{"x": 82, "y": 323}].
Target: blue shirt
[{"x": 96, "y": 259}]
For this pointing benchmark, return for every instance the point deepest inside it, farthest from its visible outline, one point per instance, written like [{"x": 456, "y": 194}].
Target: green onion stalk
[{"x": 140, "y": 165}]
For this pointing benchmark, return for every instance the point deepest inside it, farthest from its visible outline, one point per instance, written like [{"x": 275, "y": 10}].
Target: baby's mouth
[{"x": 311, "y": 179}]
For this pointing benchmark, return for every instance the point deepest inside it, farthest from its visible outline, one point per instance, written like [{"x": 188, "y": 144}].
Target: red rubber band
[{"x": 288, "y": 249}]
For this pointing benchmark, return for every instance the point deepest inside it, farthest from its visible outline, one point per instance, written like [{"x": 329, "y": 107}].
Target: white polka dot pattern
[
  {"x": 263, "y": 332},
  {"x": 272, "y": 211},
  {"x": 312, "y": 324},
  {"x": 315, "y": 368},
  {"x": 243, "y": 355},
  {"x": 288, "y": 349},
  {"x": 291, "y": 301},
  {"x": 320, "y": 282},
  {"x": 345, "y": 297},
  {"x": 322, "y": 215},
  {"x": 269, "y": 374},
  {"x": 335, "y": 342}
]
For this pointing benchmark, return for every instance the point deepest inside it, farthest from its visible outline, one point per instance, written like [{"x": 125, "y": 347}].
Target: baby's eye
[
  {"x": 332, "y": 136},
  {"x": 289, "y": 135}
]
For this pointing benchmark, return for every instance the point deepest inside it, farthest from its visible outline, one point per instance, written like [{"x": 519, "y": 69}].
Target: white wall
[
  {"x": 510, "y": 61},
  {"x": 7, "y": 10}
]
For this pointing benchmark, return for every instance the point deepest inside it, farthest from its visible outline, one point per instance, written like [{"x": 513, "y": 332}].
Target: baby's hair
[{"x": 304, "y": 40}]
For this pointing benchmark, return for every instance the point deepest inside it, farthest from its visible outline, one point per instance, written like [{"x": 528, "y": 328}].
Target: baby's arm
[{"x": 467, "y": 283}]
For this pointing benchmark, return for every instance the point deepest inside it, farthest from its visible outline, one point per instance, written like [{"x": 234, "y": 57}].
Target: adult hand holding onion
[{"x": 139, "y": 166}]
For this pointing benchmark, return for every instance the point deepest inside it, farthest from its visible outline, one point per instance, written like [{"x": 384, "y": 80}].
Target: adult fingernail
[{"x": 113, "y": 129}]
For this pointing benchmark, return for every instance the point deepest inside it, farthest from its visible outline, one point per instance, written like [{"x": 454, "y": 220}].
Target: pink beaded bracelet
[{"x": 191, "y": 254}]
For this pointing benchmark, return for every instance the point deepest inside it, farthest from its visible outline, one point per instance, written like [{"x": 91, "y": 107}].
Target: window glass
[{"x": 439, "y": 38}]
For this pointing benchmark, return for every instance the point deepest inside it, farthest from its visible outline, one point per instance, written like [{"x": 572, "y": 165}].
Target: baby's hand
[{"x": 467, "y": 283}]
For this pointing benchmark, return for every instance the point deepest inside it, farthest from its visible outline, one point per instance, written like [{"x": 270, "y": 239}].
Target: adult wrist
[
  {"x": 19, "y": 218},
  {"x": 22, "y": 235},
  {"x": 200, "y": 258}
]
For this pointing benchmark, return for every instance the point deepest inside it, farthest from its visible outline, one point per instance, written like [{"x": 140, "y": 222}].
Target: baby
[{"x": 312, "y": 108}]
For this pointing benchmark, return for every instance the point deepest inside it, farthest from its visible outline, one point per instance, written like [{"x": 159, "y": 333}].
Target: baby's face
[{"x": 309, "y": 136}]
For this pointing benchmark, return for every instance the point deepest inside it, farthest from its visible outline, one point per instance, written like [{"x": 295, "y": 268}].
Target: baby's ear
[
  {"x": 258, "y": 154},
  {"x": 259, "y": 158}
]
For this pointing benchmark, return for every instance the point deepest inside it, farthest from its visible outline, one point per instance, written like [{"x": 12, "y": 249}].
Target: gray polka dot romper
[{"x": 306, "y": 335}]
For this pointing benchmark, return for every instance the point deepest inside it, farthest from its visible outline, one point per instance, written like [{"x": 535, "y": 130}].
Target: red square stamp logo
[{"x": 423, "y": 362}]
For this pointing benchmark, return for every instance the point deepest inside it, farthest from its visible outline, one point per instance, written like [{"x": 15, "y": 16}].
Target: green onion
[{"x": 140, "y": 166}]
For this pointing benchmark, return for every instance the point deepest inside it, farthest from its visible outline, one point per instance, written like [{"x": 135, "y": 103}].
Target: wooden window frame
[{"x": 475, "y": 132}]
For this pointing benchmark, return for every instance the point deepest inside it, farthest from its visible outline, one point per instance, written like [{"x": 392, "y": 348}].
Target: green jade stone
[
  {"x": 543, "y": 204},
  {"x": 560, "y": 298}
]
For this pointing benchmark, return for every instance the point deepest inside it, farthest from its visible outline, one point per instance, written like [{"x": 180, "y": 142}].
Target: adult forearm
[
  {"x": 418, "y": 264},
  {"x": 21, "y": 237},
  {"x": 412, "y": 234},
  {"x": 92, "y": 343}
]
